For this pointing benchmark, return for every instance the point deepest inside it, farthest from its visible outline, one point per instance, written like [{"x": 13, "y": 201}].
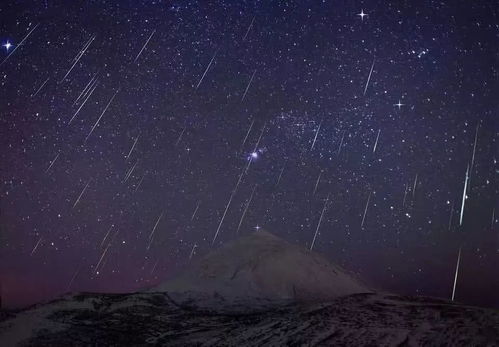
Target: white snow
[
  {"x": 262, "y": 265},
  {"x": 27, "y": 323}
]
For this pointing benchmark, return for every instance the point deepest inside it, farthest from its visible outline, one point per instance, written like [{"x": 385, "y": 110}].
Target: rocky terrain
[
  {"x": 258, "y": 290},
  {"x": 159, "y": 319}
]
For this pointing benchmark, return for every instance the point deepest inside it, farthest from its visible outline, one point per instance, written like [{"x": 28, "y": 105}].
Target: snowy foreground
[
  {"x": 258, "y": 290},
  {"x": 181, "y": 320}
]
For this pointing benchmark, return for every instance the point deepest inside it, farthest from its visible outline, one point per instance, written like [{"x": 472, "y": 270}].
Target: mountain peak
[
  {"x": 265, "y": 266},
  {"x": 263, "y": 234}
]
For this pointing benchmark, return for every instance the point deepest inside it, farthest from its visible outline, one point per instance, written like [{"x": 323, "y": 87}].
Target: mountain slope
[
  {"x": 244, "y": 294},
  {"x": 265, "y": 266},
  {"x": 157, "y": 319}
]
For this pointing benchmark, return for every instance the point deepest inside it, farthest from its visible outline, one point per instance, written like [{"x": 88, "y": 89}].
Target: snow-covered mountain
[
  {"x": 157, "y": 319},
  {"x": 259, "y": 290},
  {"x": 265, "y": 266}
]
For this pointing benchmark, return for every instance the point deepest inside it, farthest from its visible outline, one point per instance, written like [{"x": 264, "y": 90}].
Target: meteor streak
[
  {"x": 226, "y": 209},
  {"x": 19, "y": 45},
  {"x": 474, "y": 149},
  {"x": 85, "y": 90},
  {"x": 140, "y": 182},
  {"x": 101, "y": 258},
  {"x": 192, "y": 251},
  {"x": 464, "y": 195},
  {"x": 104, "y": 111},
  {"x": 319, "y": 223},
  {"x": 249, "y": 28},
  {"x": 38, "y": 90},
  {"x": 205, "y": 71},
  {"x": 52, "y": 163},
  {"x": 36, "y": 246},
  {"x": 81, "y": 194},
  {"x": 315, "y": 138},
  {"x": 317, "y": 183},
  {"x": 107, "y": 234},
  {"x": 195, "y": 210},
  {"x": 151, "y": 236},
  {"x": 376, "y": 143},
  {"x": 133, "y": 146},
  {"x": 247, "y": 134},
  {"x": 145, "y": 44},
  {"x": 341, "y": 142},
  {"x": 455, "y": 276},
  {"x": 130, "y": 171},
  {"x": 369, "y": 77},
  {"x": 280, "y": 175},
  {"x": 246, "y": 209},
  {"x": 82, "y": 104},
  {"x": 73, "y": 278},
  {"x": 365, "y": 210},
  {"x": 247, "y": 87},
  {"x": 414, "y": 186},
  {"x": 405, "y": 193},
  {"x": 180, "y": 136},
  {"x": 78, "y": 57}
]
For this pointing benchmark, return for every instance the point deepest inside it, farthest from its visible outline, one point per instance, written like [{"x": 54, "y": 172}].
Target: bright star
[
  {"x": 258, "y": 227},
  {"x": 253, "y": 156},
  {"x": 7, "y": 45},
  {"x": 362, "y": 14},
  {"x": 399, "y": 104}
]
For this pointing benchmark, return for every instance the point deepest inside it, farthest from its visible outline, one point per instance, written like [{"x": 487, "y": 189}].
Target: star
[
  {"x": 7, "y": 45},
  {"x": 399, "y": 104},
  {"x": 362, "y": 14},
  {"x": 257, "y": 227}
]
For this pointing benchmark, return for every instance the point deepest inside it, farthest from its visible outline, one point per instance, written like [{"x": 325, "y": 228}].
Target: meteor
[
  {"x": 102, "y": 114},
  {"x": 145, "y": 44},
  {"x": 315, "y": 138},
  {"x": 369, "y": 77},
  {"x": 81, "y": 194},
  {"x": 19, "y": 45},
  {"x": 205, "y": 71},
  {"x": 249, "y": 28},
  {"x": 455, "y": 276},
  {"x": 78, "y": 57},
  {"x": 246, "y": 209},
  {"x": 133, "y": 146},
  {"x": 247, "y": 134},
  {"x": 464, "y": 195},
  {"x": 280, "y": 175},
  {"x": 414, "y": 186},
  {"x": 247, "y": 87},
  {"x": 317, "y": 183},
  {"x": 151, "y": 236},
  {"x": 195, "y": 210},
  {"x": 43, "y": 84},
  {"x": 192, "y": 251},
  {"x": 365, "y": 210},
  {"x": 341, "y": 142},
  {"x": 52, "y": 163},
  {"x": 36, "y": 246},
  {"x": 376, "y": 143},
  {"x": 319, "y": 223},
  {"x": 82, "y": 104}
]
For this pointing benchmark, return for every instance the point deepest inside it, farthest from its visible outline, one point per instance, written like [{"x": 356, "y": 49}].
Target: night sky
[{"x": 137, "y": 136}]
